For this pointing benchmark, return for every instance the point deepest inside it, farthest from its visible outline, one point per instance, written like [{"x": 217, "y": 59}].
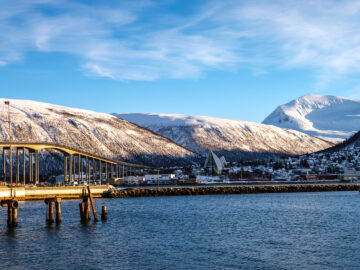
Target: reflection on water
[{"x": 264, "y": 231}]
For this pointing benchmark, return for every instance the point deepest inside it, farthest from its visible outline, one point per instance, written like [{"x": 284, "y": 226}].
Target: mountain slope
[
  {"x": 233, "y": 138},
  {"x": 97, "y": 133},
  {"x": 330, "y": 117}
]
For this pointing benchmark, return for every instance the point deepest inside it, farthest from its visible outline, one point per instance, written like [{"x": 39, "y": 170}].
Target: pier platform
[{"x": 38, "y": 193}]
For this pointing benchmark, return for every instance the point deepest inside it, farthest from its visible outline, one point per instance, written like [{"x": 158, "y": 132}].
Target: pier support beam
[
  {"x": 12, "y": 206},
  {"x": 49, "y": 210},
  {"x": 82, "y": 212},
  {"x": 103, "y": 213},
  {"x": 58, "y": 210}
]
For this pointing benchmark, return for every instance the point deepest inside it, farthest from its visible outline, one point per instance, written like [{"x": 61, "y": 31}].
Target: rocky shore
[{"x": 181, "y": 191}]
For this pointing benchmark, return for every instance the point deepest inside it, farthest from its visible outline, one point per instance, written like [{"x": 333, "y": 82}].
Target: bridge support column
[
  {"x": 37, "y": 180},
  {"x": 65, "y": 169},
  {"x": 106, "y": 172},
  {"x": 112, "y": 171},
  {"x": 4, "y": 164},
  {"x": 70, "y": 167},
  {"x": 123, "y": 171},
  {"x": 95, "y": 172},
  {"x": 100, "y": 171},
  {"x": 17, "y": 166},
  {"x": 80, "y": 169},
  {"x": 30, "y": 166},
  {"x": 24, "y": 165},
  {"x": 11, "y": 171},
  {"x": 87, "y": 171},
  {"x": 74, "y": 168}
]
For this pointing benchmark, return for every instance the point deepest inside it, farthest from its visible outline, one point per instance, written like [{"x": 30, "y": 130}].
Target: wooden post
[
  {"x": 50, "y": 211},
  {"x": 82, "y": 211},
  {"x": 87, "y": 209},
  {"x": 58, "y": 210},
  {"x": 92, "y": 204},
  {"x": 10, "y": 215},
  {"x": 103, "y": 213},
  {"x": 106, "y": 172},
  {"x": 4, "y": 163},
  {"x": 14, "y": 217}
]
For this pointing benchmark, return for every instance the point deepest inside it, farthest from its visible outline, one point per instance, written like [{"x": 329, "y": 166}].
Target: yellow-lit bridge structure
[{"x": 91, "y": 168}]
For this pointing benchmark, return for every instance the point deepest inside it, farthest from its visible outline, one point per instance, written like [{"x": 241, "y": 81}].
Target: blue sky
[{"x": 230, "y": 59}]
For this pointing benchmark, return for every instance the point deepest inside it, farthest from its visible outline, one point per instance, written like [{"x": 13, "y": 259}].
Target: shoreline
[{"x": 222, "y": 190}]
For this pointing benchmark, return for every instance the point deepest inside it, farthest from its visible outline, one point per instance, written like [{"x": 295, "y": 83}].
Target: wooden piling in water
[
  {"x": 86, "y": 202},
  {"x": 10, "y": 216},
  {"x": 103, "y": 213},
  {"x": 12, "y": 205},
  {"x": 82, "y": 212},
  {"x": 49, "y": 210},
  {"x": 58, "y": 210},
  {"x": 14, "y": 217},
  {"x": 92, "y": 204}
]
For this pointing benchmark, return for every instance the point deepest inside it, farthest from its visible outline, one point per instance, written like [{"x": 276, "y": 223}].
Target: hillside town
[{"x": 341, "y": 165}]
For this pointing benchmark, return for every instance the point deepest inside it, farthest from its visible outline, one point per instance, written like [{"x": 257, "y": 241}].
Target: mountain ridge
[{"x": 229, "y": 137}]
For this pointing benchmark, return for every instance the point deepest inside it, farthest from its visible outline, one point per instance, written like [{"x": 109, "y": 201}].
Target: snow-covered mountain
[
  {"x": 330, "y": 117},
  {"x": 97, "y": 133},
  {"x": 233, "y": 138}
]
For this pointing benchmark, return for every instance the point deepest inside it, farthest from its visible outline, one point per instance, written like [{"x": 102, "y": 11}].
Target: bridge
[{"x": 90, "y": 167}]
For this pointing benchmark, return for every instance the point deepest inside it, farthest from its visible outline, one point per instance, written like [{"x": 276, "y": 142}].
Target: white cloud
[{"x": 127, "y": 41}]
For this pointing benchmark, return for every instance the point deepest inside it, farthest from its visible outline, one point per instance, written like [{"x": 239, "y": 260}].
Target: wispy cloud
[{"x": 126, "y": 41}]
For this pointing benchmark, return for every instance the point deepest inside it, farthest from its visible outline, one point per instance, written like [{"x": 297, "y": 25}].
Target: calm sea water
[{"x": 255, "y": 231}]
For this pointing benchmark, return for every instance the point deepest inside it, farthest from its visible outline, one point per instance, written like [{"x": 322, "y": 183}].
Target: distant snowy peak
[
  {"x": 230, "y": 137},
  {"x": 330, "y": 117}
]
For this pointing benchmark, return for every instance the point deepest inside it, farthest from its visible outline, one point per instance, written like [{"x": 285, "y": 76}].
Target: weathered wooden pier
[{"x": 87, "y": 197}]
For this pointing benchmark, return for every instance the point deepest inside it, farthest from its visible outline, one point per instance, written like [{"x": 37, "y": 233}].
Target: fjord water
[{"x": 254, "y": 231}]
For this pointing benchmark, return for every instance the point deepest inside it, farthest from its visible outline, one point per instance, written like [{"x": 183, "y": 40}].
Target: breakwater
[{"x": 181, "y": 191}]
